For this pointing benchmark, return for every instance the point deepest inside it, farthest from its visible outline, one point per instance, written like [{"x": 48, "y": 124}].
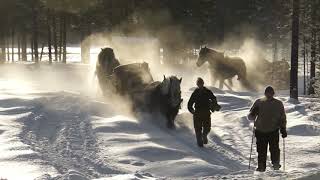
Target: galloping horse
[
  {"x": 223, "y": 68},
  {"x": 135, "y": 81}
]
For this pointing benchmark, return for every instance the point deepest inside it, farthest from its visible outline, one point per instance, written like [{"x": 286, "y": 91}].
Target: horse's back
[
  {"x": 235, "y": 60},
  {"x": 132, "y": 77},
  {"x": 135, "y": 70},
  {"x": 239, "y": 64}
]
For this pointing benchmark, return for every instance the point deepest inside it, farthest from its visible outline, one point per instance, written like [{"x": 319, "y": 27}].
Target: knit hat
[{"x": 269, "y": 89}]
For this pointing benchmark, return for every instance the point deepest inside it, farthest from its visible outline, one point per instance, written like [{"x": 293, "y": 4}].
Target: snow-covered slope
[{"x": 50, "y": 134}]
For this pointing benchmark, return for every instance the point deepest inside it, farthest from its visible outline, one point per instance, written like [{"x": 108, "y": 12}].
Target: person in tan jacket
[{"x": 269, "y": 117}]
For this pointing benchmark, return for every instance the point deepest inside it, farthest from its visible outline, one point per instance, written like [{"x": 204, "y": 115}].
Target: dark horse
[
  {"x": 104, "y": 67},
  {"x": 135, "y": 81},
  {"x": 162, "y": 98},
  {"x": 223, "y": 68}
]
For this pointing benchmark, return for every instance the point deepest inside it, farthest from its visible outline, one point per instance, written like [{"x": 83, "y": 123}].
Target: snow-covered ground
[{"x": 54, "y": 126}]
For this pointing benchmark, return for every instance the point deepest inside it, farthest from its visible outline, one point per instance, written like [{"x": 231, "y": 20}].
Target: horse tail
[{"x": 242, "y": 74}]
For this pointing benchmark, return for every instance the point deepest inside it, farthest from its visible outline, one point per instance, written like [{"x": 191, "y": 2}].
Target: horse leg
[
  {"x": 171, "y": 115},
  {"x": 213, "y": 79},
  {"x": 230, "y": 82},
  {"x": 221, "y": 81},
  {"x": 228, "y": 87},
  {"x": 246, "y": 84},
  {"x": 170, "y": 121}
]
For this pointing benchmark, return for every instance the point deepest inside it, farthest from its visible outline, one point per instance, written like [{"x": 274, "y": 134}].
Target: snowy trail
[
  {"x": 63, "y": 135},
  {"x": 57, "y": 130}
]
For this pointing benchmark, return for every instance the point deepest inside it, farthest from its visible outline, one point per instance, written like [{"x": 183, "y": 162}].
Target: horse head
[
  {"x": 107, "y": 60},
  {"x": 203, "y": 55},
  {"x": 207, "y": 54},
  {"x": 171, "y": 87}
]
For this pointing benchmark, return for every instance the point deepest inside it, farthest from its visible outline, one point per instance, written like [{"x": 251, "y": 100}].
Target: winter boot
[
  {"x": 276, "y": 166},
  {"x": 205, "y": 139},
  {"x": 259, "y": 169},
  {"x": 200, "y": 142}
]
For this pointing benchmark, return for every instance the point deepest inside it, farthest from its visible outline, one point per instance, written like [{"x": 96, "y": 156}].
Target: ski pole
[
  {"x": 251, "y": 147},
  {"x": 284, "y": 155}
]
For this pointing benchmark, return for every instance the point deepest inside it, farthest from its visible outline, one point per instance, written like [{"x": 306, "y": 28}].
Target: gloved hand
[
  {"x": 218, "y": 108},
  {"x": 252, "y": 117},
  {"x": 283, "y": 131}
]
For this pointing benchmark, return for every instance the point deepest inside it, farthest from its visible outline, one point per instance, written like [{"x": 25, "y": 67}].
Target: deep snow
[{"x": 63, "y": 131}]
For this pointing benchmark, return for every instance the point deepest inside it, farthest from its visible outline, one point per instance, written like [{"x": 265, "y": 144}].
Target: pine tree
[
  {"x": 49, "y": 35},
  {"x": 294, "y": 50}
]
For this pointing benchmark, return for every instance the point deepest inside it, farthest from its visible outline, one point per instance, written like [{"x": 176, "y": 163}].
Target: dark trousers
[
  {"x": 263, "y": 140},
  {"x": 202, "y": 125}
]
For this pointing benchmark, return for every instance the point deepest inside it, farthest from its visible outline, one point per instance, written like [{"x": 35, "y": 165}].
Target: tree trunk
[
  {"x": 275, "y": 58},
  {"x": 24, "y": 46},
  {"x": 49, "y": 37},
  {"x": 55, "y": 40},
  {"x": 312, "y": 63},
  {"x": 294, "y": 50},
  {"x": 304, "y": 65},
  {"x": 35, "y": 35},
  {"x": 318, "y": 58},
  {"x": 41, "y": 54},
  {"x": 12, "y": 44},
  {"x": 2, "y": 48},
  {"x": 313, "y": 50},
  {"x": 60, "y": 37},
  {"x": 8, "y": 47},
  {"x": 64, "y": 35},
  {"x": 307, "y": 67},
  {"x": 19, "y": 47},
  {"x": 221, "y": 20},
  {"x": 32, "y": 49}
]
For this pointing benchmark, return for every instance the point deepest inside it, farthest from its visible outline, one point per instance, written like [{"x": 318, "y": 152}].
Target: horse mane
[
  {"x": 215, "y": 51},
  {"x": 209, "y": 51},
  {"x": 173, "y": 78},
  {"x": 165, "y": 84}
]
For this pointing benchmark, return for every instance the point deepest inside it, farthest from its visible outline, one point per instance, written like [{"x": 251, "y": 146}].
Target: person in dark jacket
[
  {"x": 201, "y": 102},
  {"x": 269, "y": 116}
]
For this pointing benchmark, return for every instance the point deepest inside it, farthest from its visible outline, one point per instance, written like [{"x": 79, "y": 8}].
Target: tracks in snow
[{"x": 59, "y": 129}]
